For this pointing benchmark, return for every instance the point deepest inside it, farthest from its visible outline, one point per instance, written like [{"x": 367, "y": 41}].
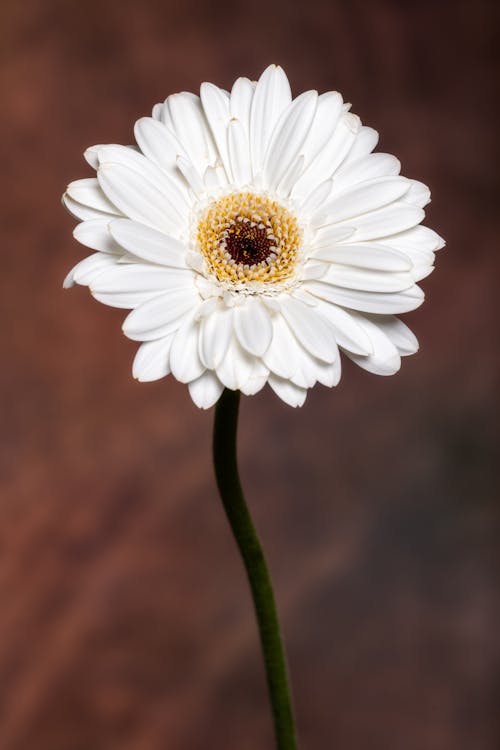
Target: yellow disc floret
[{"x": 246, "y": 237}]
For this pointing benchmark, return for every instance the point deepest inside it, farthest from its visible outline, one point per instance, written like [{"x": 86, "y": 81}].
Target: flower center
[
  {"x": 247, "y": 237},
  {"x": 248, "y": 242}
]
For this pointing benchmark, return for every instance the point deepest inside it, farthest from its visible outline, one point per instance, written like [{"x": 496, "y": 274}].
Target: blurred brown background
[{"x": 125, "y": 620}]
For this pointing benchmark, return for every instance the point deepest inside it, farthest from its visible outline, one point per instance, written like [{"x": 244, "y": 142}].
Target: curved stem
[{"x": 233, "y": 500}]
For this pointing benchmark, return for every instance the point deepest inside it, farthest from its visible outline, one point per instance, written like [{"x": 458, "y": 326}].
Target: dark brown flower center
[{"x": 247, "y": 242}]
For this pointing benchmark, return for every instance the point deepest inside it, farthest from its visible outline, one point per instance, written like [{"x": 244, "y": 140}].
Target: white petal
[
  {"x": 148, "y": 243},
  {"x": 288, "y": 137},
  {"x": 316, "y": 199},
  {"x": 419, "y": 243},
  {"x": 417, "y": 238},
  {"x": 367, "y": 280},
  {"x": 362, "y": 198},
  {"x": 287, "y": 391},
  {"x": 191, "y": 128},
  {"x": 330, "y": 234},
  {"x": 420, "y": 272},
  {"x": 313, "y": 332},
  {"x": 138, "y": 198},
  {"x": 216, "y": 331},
  {"x": 272, "y": 95},
  {"x": 328, "y": 112},
  {"x": 253, "y": 327},
  {"x": 190, "y": 175},
  {"x": 239, "y": 153},
  {"x": 88, "y": 269},
  {"x": 241, "y": 102},
  {"x": 142, "y": 277},
  {"x": 367, "y": 168},
  {"x": 208, "y": 287},
  {"x": 157, "y": 112},
  {"x": 364, "y": 143},
  {"x": 291, "y": 176},
  {"x": 328, "y": 160},
  {"x": 207, "y": 307},
  {"x": 421, "y": 269},
  {"x": 397, "y": 332},
  {"x": 418, "y": 194},
  {"x": 305, "y": 375},
  {"x": 164, "y": 115},
  {"x": 236, "y": 367},
  {"x": 160, "y": 316},
  {"x": 385, "y": 359},
  {"x": 314, "y": 270},
  {"x": 205, "y": 390},
  {"x": 391, "y": 219},
  {"x": 417, "y": 257},
  {"x": 282, "y": 356},
  {"x": 185, "y": 363},
  {"x": 90, "y": 156},
  {"x": 89, "y": 193},
  {"x": 369, "y": 255},
  {"x": 348, "y": 333},
  {"x": 300, "y": 292},
  {"x": 123, "y": 300},
  {"x": 85, "y": 213},
  {"x": 214, "y": 177},
  {"x": 328, "y": 375},
  {"x": 159, "y": 144},
  {"x": 310, "y": 371},
  {"x": 257, "y": 378},
  {"x": 171, "y": 186},
  {"x": 195, "y": 261},
  {"x": 96, "y": 235},
  {"x": 272, "y": 304},
  {"x": 374, "y": 302},
  {"x": 152, "y": 360},
  {"x": 128, "y": 286},
  {"x": 215, "y": 103}
]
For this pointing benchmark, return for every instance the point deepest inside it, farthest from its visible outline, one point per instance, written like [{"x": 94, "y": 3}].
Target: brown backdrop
[{"x": 125, "y": 621}]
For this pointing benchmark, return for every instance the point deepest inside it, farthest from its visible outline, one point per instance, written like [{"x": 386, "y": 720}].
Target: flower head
[{"x": 253, "y": 236}]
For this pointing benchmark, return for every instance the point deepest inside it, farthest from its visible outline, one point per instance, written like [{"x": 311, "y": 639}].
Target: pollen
[{"x": 246, "y": 237}]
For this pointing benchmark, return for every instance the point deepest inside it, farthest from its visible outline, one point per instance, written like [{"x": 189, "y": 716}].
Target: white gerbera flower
[{"x": 253, "y": 236}]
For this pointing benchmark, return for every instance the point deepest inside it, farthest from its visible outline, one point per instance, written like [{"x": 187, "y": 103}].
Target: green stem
[{"x": 233, "y": 500}]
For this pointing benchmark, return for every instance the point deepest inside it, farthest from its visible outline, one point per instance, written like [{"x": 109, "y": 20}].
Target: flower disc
[{"x": 248, "y": 237}]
